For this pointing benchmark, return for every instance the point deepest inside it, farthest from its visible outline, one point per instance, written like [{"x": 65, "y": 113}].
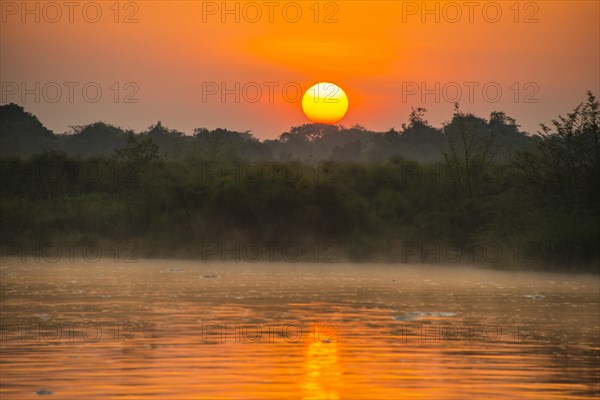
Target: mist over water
[
  {"x": 192, "y": 329},
  {"x": 299, "y": 200}
]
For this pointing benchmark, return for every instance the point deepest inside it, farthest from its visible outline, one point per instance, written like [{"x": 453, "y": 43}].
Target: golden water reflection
[
  {"x": 355, "y": 342},
  {"x": 322, "y": 372}
]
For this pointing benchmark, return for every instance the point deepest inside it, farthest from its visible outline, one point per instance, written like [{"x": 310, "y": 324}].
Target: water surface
[{"x": 187, "y": 330}]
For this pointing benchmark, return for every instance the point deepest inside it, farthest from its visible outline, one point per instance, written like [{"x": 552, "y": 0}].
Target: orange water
[{"x": 192, "y": 330}]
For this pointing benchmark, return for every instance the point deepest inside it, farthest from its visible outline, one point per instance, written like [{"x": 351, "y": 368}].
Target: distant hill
[{"x": 22, "y": 134}]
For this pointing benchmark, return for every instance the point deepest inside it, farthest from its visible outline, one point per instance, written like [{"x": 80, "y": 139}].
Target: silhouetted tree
[{"x": 470, "y": 150}]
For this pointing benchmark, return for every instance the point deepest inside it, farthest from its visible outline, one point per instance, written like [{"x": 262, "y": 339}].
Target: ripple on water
[{"x": 182, "y": 330}]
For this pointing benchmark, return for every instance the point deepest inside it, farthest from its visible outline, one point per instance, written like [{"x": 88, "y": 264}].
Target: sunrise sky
[{"x": 377, "y": 51}]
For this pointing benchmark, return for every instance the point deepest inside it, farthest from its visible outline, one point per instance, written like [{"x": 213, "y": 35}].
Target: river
[{"x": 192, "y": 330}]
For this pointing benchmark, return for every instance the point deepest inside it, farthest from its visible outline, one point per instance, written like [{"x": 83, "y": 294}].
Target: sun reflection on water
[{"x": 321, "y": 371}]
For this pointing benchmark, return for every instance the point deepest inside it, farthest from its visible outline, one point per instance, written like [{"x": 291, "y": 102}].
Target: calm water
[{"x": 186, "y": 330}]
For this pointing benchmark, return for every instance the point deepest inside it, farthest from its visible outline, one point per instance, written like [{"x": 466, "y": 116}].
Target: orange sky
[{"x": 375, "y": 51}]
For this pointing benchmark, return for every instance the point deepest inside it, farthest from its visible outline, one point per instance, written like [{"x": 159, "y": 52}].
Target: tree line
[
  {"x": 23, "y": 135},
  {"x": 475, "y": 190}
]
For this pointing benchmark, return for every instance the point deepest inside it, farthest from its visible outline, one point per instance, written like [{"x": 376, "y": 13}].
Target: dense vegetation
[
  {"x": 23, "y": 136},
  {"x": 475, "y": 190}
]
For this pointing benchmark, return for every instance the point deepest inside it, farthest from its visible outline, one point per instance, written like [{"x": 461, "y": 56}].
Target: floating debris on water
[
  {"x": 42, "y": 316},
  {"x": 535, "y": 296},
  {"x": 210, "y": 276},
  {"x": 411, "y": 315},
  {"x": 175, "y": 270},
  {"x": 43, "y": 392}
]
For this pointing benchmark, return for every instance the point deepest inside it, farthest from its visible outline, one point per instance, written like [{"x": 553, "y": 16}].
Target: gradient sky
[{"x": 375, "y": 51}]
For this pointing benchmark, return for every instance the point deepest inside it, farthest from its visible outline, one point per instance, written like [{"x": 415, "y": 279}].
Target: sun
[{"x": 325, "y": 102}]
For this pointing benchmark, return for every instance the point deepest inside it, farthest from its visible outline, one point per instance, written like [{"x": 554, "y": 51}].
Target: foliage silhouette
[{"x": 471, "y": 182}]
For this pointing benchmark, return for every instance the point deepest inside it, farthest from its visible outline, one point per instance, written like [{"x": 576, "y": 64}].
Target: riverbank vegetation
[{"x": 476, "y": 190}]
